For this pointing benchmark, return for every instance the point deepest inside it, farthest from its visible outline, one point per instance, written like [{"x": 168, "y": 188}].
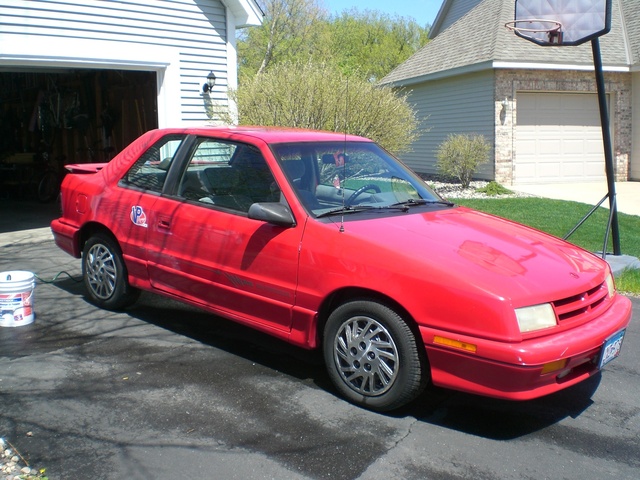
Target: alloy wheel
[
  {"x": 366, "y": 356},
  {"x": 101, "y": 271}
]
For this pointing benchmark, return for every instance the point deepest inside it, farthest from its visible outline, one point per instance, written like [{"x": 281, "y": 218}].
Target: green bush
[
  {"x": 493, "y": 188},
  {"x": 321, "y": 97},
  {"x": 459, "y": 156}
]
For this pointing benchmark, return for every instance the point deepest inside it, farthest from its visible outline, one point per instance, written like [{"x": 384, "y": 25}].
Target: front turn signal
[
  {"x": 450, "y": 342},
  {"x": 554, "y": 366}
]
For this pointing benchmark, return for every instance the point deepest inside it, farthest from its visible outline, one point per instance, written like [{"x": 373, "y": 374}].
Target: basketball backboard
[{"x": 561, "y": 22}]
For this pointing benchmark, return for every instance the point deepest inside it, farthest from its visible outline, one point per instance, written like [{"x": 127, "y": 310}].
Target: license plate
[{"x": 611, "y": 348}]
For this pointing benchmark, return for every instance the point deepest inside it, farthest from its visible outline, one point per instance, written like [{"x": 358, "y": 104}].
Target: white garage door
[{"x": 558, "y": 138}]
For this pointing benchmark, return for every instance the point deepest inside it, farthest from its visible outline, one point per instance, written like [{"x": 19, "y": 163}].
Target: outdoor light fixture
[
  {"x": 504, "y": 107},
  {"x": 211, "y": 82}
]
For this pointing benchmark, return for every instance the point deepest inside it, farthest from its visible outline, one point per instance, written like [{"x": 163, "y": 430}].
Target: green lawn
[{"x": 558, "y": 217}]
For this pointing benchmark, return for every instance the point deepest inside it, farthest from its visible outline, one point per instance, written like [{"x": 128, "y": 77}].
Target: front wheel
[
  {"x": 373, "y": 357},
  {"x": 105, "y": 274}
]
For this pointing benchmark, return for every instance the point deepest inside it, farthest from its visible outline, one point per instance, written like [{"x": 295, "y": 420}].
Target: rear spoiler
[{"x": 85, "y": 167}]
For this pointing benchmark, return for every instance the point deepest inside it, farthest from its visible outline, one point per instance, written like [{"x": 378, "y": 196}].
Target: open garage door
[
  {"x": 558, "y": 138},
  {"x": 53, "y": 116}
]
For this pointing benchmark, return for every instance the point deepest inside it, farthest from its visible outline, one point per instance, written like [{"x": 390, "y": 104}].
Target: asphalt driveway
[{"x": 166, "y": 391}]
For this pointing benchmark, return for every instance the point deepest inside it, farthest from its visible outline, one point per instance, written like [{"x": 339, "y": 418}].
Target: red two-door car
[{"x": 327, "y": 241}]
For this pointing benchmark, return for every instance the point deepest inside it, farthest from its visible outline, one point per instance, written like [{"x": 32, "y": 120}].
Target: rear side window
[{"x": 150, "y": 170}]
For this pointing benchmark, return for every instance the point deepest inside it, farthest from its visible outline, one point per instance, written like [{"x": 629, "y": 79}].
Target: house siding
[
  {"x": 460, "y": 105},
  {"x": 193, "y": 32},
  {"x": 522, "y": 66}
]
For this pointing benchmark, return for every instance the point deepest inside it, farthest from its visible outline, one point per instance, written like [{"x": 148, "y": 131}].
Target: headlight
[
  {"x": 611, "y": 286},
  {"x": 536, "y": 317}
]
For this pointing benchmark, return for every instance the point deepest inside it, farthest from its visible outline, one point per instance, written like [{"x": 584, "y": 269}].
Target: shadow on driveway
[{"x": 475, "y": 415}]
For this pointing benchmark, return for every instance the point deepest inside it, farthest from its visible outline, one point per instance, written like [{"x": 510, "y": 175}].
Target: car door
[
  {"x": 204, "y": 248},
  {"x": 128, "y": 209}
]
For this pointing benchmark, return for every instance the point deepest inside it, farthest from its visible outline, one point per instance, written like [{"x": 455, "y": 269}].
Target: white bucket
[{"x": 16, "y": 298}]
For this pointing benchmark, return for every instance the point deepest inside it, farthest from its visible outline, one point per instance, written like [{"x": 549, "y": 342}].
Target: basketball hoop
[
  {"x": 547, "y": 32},
  {"x": 567, "y": 24}
]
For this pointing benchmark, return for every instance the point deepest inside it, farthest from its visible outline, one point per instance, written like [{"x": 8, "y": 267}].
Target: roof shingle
[{"x": 479, "y": 38}]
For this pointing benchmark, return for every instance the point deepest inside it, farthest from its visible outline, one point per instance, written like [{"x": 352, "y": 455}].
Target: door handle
[{"x": 164, "y": 224}]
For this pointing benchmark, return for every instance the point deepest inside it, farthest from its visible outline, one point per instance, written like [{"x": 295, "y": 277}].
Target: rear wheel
[
  {"x": 373, "y": 357},
  {"x": 105, "y": 274}
]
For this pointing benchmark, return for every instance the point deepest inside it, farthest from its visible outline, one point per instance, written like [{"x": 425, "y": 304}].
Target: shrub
[
  {"x": 321, "y": 97},
  {"x": 493, "y": 188},
  {"x": 459, "y": 156}
]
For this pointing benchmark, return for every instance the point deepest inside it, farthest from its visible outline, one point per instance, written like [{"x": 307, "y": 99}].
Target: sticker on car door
[{"x": 138, "y": 217}]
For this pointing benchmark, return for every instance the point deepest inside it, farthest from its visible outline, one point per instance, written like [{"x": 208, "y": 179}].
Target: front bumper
[{"x": 514, "y": 371}]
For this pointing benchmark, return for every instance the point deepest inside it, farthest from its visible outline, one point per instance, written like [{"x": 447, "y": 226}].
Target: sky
[{"x": 422, "y": 11}]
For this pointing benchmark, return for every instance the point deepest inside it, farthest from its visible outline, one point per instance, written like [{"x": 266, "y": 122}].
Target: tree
[
  {"x": 374, "y": 43},
  {"x": 322, "y": 97},
  {"x": 368, "y": 42},
  {"x": 289, "y": 30},
  {"x": 303, "y": 68}
]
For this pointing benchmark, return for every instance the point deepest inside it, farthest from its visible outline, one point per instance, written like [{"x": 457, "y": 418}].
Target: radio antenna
[{"x": 344, "y": 154}]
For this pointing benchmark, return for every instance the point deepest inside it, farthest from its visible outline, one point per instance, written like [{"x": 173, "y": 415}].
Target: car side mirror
[{"x": 272, "y": 212}]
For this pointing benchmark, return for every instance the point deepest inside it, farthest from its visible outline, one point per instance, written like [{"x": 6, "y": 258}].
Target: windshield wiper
[
  {"x": 346, "y": 209},
  {"x": 441, "y": 202},
  {"x": 412, "y": 202},
  {"x": 403, "y": 206}
]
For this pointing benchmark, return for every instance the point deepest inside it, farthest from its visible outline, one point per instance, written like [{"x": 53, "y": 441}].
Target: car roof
[{"x": 273, "y": 134}]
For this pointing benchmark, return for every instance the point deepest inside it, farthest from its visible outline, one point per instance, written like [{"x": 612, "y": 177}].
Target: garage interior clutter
[{"x": 49, "y": 118}]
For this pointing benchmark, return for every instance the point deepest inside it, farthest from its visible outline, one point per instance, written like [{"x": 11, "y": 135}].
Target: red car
[{"x": 327, "y": 241}]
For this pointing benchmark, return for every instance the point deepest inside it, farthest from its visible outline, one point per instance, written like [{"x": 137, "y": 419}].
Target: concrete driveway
[{"x": 627, "y": 193}]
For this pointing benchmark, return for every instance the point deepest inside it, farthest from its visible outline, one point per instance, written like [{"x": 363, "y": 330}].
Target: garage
[
  {"x": 558, "y": 138},
  {"x": 50, "y": 117},
  {"x": 80, "y": 80}
]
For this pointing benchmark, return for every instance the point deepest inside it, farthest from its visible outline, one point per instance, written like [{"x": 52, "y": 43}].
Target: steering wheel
[{"x": 360, "y": 191}]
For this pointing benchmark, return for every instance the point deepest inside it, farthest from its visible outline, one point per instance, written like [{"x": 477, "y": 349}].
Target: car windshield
[{"x": 350, "y": 176}]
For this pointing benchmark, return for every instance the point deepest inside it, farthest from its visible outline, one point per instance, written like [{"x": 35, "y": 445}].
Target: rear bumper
[
  {"x": 66, "y": 237},
  {"x": 514, "y": 370}
]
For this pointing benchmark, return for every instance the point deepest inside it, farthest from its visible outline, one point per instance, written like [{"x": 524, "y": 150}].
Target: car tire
[
  {"x": 105, "y": 275},
  {"x": 373, "y": 357}
]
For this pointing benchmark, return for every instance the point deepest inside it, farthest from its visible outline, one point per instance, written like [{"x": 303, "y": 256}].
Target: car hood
[{"x": 494, "y": 255}]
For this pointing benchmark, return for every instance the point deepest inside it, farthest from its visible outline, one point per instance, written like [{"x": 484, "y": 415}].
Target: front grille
[{"x": 581, "y": 305}]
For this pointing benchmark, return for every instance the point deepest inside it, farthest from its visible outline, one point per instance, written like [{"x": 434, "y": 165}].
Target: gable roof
[
  {"x": 450, "y": 12},
  {"x": 478, "y": 40},
  {"x": 632, "y": 25}
]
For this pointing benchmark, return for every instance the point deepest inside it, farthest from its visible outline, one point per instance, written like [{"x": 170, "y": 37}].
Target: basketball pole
[{"x": 608, "y": 151}]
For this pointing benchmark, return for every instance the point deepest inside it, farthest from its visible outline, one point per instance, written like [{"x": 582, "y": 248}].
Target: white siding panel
[
  {"x": 558, "y": 138},
  {"x": 195, "y": 29},
  {"x": 455, "y": 105}
]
